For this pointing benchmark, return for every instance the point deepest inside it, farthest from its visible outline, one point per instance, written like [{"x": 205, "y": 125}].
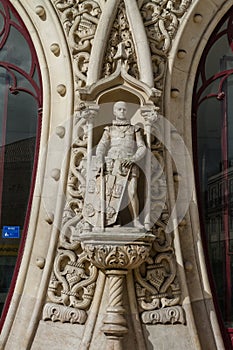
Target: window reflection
[
  {"x": 20, "y": 93},
  {"x": 213, "y": 123}
]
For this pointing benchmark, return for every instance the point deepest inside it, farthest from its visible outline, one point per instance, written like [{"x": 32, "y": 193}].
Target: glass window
[
  {"x": 213, "y": 136},
  {"x": 20, "y": 95}
]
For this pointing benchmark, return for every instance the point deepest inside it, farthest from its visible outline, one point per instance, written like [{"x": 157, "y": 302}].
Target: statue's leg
[{"x": 134, "y": 202}]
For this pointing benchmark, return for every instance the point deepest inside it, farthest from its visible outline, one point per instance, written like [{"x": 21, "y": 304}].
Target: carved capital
[
  {"x": 89, "y": 112},
  {"x": 124, "y": 250},
  {"x": 111, "y": 256}
]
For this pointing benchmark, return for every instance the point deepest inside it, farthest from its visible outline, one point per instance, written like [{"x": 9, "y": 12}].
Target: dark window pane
[
  {"x": 213, "y": 123},
  {"x": 20, "y": 96}
]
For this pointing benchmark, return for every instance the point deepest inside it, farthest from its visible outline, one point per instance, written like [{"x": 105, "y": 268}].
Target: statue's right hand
[{"x": 127, "y": 162}]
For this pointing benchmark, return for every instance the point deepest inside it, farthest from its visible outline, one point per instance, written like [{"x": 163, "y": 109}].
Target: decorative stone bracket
[{"x": 115, "y": 254}]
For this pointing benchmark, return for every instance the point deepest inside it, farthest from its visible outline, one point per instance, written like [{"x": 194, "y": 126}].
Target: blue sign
[{"x": 11, "y": 232}]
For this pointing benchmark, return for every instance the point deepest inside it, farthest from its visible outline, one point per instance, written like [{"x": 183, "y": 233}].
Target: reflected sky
[{"x": 18, "y": 112}]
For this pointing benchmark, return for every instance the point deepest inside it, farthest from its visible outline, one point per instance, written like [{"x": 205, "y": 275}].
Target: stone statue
[{"x": 114, "y": 171}]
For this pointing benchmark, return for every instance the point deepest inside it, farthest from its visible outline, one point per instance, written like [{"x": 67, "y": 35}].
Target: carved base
[
  {"x": 115, "y": 325},
  {"x": 118, "y": 235}
]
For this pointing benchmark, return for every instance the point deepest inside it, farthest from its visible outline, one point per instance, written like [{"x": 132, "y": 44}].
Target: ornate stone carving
[
  {"x": 156, "y": 188},
  {"x": 55, "y": 312},
  {"x": 92, "y": 236},
  {"x": 73, "y": 280},
  {"x": 109, "y": 248},
  {"x": 115, "y": 256},
  {"x": 115, "y": 325},
  {"x": 157, "y": 286},
  {"x": 80, "y": 20},
  {"x": 120, "y": 34},
  {"x": 170, "y": 315},
  {"x": 161, "y": 20}
]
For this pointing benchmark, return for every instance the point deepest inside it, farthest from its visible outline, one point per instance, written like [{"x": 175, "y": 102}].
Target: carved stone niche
[
  {"x": 116, "y": 213},
  {"x": 116, "y": 235}
]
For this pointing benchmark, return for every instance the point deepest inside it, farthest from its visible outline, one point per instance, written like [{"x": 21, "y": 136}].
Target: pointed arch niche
[{"x": 213, "y": 140}]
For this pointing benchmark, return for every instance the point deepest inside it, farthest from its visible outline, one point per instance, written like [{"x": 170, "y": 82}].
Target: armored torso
[{"x": 122, "y": 141}]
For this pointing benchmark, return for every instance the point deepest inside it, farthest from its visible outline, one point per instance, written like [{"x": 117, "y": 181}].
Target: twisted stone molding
[{"x": 114, "y": 324}]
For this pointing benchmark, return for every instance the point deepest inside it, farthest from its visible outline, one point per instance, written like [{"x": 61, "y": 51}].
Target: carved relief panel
[{"x": 115, "y": 160}]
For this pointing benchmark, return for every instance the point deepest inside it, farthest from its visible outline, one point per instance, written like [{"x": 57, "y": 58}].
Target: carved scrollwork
[
  {"x": 72, "y": 223},
  {"x": 161, "y": 20},
  {"x": 157, "y": 285},
  {"x": 80, "y": 20},
  {"x": 73, "y": 280},
  {"x": 75, "y": 271},
  {"x": 120, "y": 35}
]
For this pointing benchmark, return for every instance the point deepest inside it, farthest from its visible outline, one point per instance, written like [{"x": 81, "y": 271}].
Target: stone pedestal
[{"x": 116, "y": 251}]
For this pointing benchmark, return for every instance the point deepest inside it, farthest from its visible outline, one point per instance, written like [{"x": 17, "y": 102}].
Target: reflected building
[{"x": 219, "y": 226}]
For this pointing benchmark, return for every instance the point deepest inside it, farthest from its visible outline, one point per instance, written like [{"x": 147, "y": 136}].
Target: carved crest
[{"x": 104, "y": 192}]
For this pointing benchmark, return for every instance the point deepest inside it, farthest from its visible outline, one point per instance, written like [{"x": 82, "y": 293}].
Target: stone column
[{"x": 115, "y": 325}]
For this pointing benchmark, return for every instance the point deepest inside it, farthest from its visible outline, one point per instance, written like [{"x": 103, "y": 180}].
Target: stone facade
[{"x": 122, "y": 288}]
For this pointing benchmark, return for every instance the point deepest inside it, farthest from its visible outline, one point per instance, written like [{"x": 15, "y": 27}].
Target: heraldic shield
[{"x": 104, "y": 192}]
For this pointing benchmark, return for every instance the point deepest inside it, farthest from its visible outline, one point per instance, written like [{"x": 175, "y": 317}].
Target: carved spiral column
[{"x": 115, "y": 323}]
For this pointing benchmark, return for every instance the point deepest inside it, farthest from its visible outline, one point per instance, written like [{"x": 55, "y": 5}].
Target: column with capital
[{"x": 150, "y": 115}]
